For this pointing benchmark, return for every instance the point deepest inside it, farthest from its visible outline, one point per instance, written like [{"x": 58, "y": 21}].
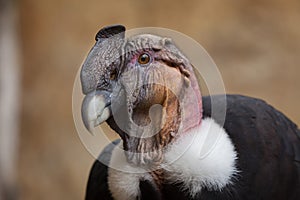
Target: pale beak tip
[{"x": 94, "y": 110}]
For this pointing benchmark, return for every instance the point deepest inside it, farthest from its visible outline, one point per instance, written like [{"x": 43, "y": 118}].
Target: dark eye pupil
[{"x": 144, "y": 58}]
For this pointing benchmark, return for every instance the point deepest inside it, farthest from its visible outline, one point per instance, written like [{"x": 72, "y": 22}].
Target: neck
[
  {"x": 192, "y": 105},
  {"x": 178, "y": 114}
]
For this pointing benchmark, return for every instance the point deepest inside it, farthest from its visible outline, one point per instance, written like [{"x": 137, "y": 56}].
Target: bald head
[{"x": 103, "y": 59}]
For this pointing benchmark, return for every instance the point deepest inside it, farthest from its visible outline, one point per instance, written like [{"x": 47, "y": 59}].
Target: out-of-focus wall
[
  {"x": 256, "y": 45},
  {"x": 9, "y": 99}
]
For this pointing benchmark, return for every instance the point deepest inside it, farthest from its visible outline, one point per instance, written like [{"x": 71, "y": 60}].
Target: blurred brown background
[{"x": 255, "y": 44}]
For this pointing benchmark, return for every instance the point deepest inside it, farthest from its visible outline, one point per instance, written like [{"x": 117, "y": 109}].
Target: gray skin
[
  {"x": 144, "y": 102},
  {"x": 98, "y": 74}
]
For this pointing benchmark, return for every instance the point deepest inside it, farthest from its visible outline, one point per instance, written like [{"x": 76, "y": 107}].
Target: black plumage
[{"x": 97, "y": 187}]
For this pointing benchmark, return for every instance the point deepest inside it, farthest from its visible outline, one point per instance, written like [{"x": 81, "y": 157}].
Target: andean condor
[{"x": 178, "y": 149}]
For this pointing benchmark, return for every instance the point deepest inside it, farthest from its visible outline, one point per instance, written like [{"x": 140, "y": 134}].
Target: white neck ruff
[{"x": 204, "y": 157}]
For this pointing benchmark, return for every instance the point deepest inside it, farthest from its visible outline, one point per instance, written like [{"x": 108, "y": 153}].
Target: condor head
[{"x": 149, "y": 95}]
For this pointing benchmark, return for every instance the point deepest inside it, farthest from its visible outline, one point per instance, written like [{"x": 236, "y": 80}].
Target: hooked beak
[{"x": 95, "y": 109}]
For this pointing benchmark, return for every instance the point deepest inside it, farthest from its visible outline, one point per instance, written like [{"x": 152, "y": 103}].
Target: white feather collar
[{"x": 203, "y": 157}]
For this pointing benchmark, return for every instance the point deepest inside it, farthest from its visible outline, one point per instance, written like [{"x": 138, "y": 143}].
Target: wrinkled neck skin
[
  {"x": 192, "y": 105},
  {"x": 149, "y": 128}
]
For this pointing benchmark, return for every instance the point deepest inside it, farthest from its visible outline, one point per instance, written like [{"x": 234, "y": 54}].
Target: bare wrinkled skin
[
  {"x": 101, "y": 62},
  {"x": 150, "y": 103},
  {"x": 154, "y": 95}
]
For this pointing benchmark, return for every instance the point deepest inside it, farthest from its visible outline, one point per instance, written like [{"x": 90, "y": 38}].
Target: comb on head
[{"x": 110, "y": 31}]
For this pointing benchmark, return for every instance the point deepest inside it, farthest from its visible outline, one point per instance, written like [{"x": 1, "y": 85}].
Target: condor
[{"x": 171, "y": 146}]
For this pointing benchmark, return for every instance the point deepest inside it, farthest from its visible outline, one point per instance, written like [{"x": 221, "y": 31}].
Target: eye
[{"x": 144, "y": 59}]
